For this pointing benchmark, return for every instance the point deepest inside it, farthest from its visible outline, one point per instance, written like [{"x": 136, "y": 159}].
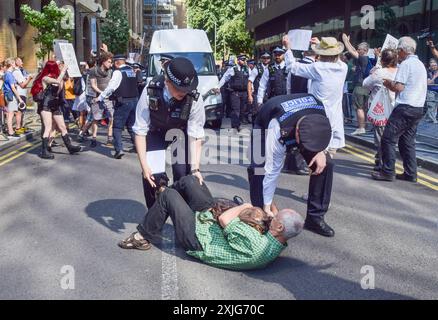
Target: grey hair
[
  {"x": 364, "y": 45},
  {"x": 407, "y": 44},
  {"x": 292, "y": 221}
]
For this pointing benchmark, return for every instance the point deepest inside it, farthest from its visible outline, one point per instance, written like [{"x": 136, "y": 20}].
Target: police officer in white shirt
[
  {"x": 123, "y": 90},
  {"x": 170, "y": 111},
  {"x": 292, "y": 122},
  {"x": 254, "y": 81},
  {"x": 273, "y": 81}
]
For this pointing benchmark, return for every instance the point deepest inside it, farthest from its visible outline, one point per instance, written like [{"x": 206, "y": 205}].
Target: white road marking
[{"x": 169, "y": 275}]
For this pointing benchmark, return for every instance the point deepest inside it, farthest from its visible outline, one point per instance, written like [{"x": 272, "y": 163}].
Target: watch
[{"x": 195, "y": 171}]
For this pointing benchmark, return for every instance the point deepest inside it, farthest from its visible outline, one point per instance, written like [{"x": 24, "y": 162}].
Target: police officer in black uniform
[
  {"x": 254, "y": 82},
  {"x": 294, "y": 121},
  {"x": 170, "y": 111},
  {"x": 123, "y": 90},
  {"x": 274, "y": 80},
  {"x": 238, "y": 82}
]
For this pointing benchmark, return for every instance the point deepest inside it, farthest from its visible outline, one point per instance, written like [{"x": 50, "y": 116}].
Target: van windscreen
[{"x": 202, "y": 61}]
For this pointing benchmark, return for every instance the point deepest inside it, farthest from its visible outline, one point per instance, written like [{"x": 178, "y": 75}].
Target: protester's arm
[
  {"x": 93, "y": 82},
  {"x": 195, "y": 131},
  {"x": 14, "y": 90},
  {"x": 21, "y": 80},
  {"x": 114, "y": 83},
  {"x": 433, "y": 48},
  {"x": 349, "y": 47},
  {"x": 231, "y": 214},
  {"x": 60, "y": 80},
  {"x": 252, "y": 76},
  {"x": 274, "y": 163},
  {"x": 398, "y": 85},
  {"x": 263, "y": 85},
  {"x": 289, "y": 83}
]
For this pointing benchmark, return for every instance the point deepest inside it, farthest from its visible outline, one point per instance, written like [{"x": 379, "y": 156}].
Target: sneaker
[
  {"x": 359, "y": 132},
  {"x": 20, "y": 131},
  {"x": 405, "y": 177}
]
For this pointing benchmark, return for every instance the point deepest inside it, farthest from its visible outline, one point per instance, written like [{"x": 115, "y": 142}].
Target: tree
[
  {"x": 230, "y": 22},
  {"x": 384, "y": 25},
  {"x": 115, "y": 28},
  {"x": 51, "y": 23}
]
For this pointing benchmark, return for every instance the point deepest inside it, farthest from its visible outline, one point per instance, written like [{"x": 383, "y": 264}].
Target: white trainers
[{"x": 359, "y": 132}]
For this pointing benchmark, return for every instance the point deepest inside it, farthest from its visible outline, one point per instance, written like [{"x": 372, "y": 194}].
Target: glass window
[{"x": 203, "y": 62}]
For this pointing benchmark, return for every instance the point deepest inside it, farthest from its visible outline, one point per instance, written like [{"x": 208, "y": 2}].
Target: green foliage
[
  {"x": 51, "y": 23},
  {"x": 115, "y": 28},
  {"x": 230, "y": 22}
]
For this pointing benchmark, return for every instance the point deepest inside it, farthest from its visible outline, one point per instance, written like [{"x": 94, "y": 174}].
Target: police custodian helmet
[{"x": 181, "y": 72}]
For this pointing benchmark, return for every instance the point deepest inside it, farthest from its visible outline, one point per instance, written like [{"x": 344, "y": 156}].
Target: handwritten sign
[
  {"x": 69, "y": 57},
  {"x": 300, "y": 39}
]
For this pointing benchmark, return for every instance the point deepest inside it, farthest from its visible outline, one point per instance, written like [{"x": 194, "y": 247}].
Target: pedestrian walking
[
  {"x": 410, "y": 85},
  {"x": 122, "y": 89},
  {"x": 432, "y": 92}
]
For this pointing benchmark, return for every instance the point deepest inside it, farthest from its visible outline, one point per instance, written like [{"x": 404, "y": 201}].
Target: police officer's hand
[
  {"x": 267, "y": 209},
  {"x": 216, "y": 90},
  {"x": 199, "y": 176},
  {"x": 321, "y": 162},
  {"x": 250, "y": 100},
  {"x": 147, "y": 175}
]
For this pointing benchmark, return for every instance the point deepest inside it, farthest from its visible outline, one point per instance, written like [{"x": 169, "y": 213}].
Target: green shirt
[{"x": 237, "y": 247}]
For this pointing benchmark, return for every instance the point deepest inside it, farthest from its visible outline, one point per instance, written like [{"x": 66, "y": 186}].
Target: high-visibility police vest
[
  {"x": 173, "y": 114},
  {"x": 288, "y": 109},
  {"x": 239, "y": 82},
  {"x": 277, "y": 81}
]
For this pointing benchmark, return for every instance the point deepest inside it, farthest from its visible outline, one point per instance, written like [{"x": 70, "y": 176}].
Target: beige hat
[{"x": 328, "y": 46}]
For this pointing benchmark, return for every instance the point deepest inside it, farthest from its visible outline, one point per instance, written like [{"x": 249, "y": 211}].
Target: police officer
[
  {"x": 287, "y": 122},
  {"x": 122, "y": 89},
  {"x": 274, "y": 80},
  {"x": 238, "y": 82},
  {"x": 170, "y": 111},
  {"x": 254, "y": 82},
  {"x": 295, "y": 162}
]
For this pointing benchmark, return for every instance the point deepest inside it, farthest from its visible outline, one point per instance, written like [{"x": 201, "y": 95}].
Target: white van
[{"x": 194, "y": 45}]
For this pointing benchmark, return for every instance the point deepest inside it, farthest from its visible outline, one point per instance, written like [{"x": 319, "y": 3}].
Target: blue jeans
[
  {"x": 401, "y": 129},
  {"x": 124, "y": 116}
]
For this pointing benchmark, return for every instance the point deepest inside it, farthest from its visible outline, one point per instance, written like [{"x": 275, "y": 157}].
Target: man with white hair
[
  {"x": 363, "y": 65},
  {"x": 410, "y": 85},
  {"x": 220, "y": 238}
]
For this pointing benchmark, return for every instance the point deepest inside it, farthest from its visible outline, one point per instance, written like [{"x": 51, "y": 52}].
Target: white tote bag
[{"x": 380, "y": 108}]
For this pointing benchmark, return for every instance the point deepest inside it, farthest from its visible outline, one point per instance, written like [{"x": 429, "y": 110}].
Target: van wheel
[{"x": 216, "y": 124}]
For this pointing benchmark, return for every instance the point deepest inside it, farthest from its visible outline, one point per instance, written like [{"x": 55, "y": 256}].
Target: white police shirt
[
  {"x": 264, "y": 81},
  {"x": 195, "y": 125},
  {"x": 229, "y": 74}
]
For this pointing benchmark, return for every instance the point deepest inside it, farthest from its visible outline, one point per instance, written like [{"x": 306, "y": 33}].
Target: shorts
[
  {"x": 107, "y": 112},
  {"x": 360, "y": 98},
  {"x": 12, "y": 106}
]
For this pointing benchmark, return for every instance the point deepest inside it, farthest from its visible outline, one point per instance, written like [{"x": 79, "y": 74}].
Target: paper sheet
[
  {"x": 157, "y": 161},
  {"x": 300, "y": 39}
]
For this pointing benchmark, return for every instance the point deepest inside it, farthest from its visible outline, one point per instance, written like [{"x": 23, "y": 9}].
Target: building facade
[{"x": 269, "y": 20}]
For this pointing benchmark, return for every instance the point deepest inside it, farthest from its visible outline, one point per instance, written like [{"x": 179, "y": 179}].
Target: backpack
[{"x": 77, "y": 87}]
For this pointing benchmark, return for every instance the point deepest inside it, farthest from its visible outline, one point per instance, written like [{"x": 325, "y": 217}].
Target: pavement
[{"x": 69, "y": 214}]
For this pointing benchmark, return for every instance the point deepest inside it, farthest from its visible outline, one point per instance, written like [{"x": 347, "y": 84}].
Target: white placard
[
  {"x": 300, "y": 39},
  {"x": 56, "y": 49},
  {"x": 156, "y": 161},
  {"x": 69, "y": 57}
]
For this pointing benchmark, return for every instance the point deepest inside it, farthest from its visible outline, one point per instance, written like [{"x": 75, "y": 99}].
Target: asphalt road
[{"x": 72, "y": 211}]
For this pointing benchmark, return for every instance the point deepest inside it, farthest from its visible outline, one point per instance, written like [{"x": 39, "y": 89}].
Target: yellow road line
[
  {"x": 371, "y": 160},
  {"x": 397, "y": 165},
  {"x": 15, "y": 151},
  {"x": 19, "y": 154}
]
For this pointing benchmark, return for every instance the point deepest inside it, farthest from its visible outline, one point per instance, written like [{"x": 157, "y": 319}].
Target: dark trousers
[
  {"x": 67, "y": 109},
  {"x": 124, "y": 116},
  {"x": 156, "y": 140},
  {"x": 294, "y": 161},
  {"x": 238, "y": 106},
  {"x": 401, "y": 128},
  {"x": 320, "y": 187},
  {"x": 171, "y": 204}
]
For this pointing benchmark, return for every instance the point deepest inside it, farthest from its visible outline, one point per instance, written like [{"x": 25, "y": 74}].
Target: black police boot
[
  {"x": 45, "y": 154},
  {"x": 119, "y": 155},
  {"x": 72, "y": 149},
  {"x": 320, "y": 227}
]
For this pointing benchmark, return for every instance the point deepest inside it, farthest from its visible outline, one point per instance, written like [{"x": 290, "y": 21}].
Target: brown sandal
[{"x": 132, "y": 243}]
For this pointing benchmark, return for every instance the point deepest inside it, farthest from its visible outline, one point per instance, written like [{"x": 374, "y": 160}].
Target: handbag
[
  {"x": 380, "y": 108},
  {"x": 2, "y": 99}
]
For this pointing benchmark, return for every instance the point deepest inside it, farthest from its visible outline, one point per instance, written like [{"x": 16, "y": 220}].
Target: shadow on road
[
  {"x": 115, "y": 213},
  {"x": 307, "y": 282}
]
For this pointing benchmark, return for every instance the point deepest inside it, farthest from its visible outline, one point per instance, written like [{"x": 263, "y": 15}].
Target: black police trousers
[
  {"x": 156, "y": 140},
  {"x": 320, "y": 186},
  {"x": 239, "y": 99}
]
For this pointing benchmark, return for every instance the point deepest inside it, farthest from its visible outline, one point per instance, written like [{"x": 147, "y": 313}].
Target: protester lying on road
[{"x": 226, "y": 242}]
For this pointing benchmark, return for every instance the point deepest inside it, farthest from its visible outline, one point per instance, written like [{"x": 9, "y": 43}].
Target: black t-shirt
[{"x": 361, "y": 65}]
